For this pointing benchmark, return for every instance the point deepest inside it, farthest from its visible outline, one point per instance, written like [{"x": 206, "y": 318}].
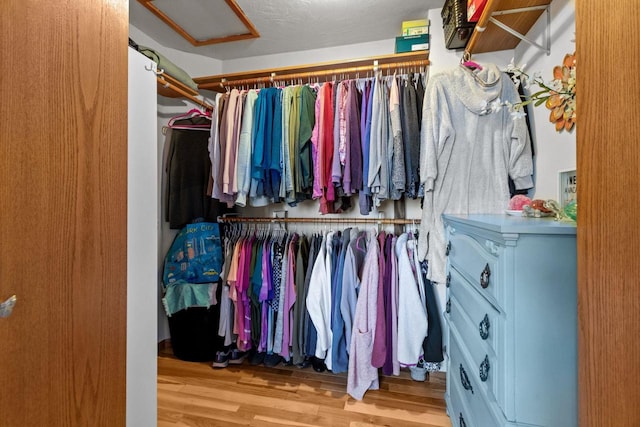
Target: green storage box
[{"x": 412, "y": 43}]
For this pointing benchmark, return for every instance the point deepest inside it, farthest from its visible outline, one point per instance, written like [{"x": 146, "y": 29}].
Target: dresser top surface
[{"x": 503, "y": 223}]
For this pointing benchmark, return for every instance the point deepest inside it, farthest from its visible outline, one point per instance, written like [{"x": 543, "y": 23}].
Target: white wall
[
  {"x": 336, "y": 53},
  {"x": 554, "y": 151},
  {"x": 142, "y": 242}
]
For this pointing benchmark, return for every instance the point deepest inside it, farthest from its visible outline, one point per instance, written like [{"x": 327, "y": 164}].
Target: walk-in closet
[
  {"x": 318, "y": 213},
  {"x": 316, "y": 255}
]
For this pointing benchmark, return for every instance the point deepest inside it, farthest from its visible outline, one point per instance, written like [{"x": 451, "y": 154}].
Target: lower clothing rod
[{"x": 398, "y": 221}]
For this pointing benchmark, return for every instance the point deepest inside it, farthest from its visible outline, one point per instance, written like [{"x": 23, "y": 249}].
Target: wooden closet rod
[
  {"x": 389, "y": 68},
  {"x": 182, "y": 92},
  {"x": 334, "y": 67},
  {"x": 398, "y": 221}
]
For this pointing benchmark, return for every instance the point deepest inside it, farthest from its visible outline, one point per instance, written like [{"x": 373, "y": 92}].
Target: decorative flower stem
[{"x": 557, "y": 95}]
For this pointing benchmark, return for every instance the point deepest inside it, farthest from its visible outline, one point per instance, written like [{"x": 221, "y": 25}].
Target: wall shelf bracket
[{"x": 547, "y": 47}]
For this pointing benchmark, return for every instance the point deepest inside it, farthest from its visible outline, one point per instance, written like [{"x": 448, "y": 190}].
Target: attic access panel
[{"x": 204, "y": 22}]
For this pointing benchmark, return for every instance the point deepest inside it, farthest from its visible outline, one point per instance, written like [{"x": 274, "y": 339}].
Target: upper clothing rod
[
  {"x": 418, "y": 58},
  {"x": 182, "y": 92},
  {"x": 389, "y": 67}
]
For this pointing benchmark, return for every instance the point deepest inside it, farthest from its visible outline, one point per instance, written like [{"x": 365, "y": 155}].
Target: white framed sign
[{"x": 567, "y": 186}]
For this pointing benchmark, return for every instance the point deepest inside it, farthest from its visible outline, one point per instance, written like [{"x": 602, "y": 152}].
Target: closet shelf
[
  {"x": 172, "y": 88},
  {"x": 516, "y": 15},
  {"x": 349, "y": 67}
]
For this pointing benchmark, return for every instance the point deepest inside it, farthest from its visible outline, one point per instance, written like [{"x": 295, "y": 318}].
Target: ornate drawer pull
[
  {"x": 448, "y": 309},
  {"x": 465, "y": 380},
  {"x": 484, "y": 277},
  {"x": 462, "y": 423},
  {"x": 448, "y": 280},
  {"x": 484, "y": 369},
  {"x": 484, "y": 327},
  {"x": 446, "y": 252}
]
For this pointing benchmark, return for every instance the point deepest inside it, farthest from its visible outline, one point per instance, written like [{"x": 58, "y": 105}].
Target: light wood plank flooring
[{"x": 194, "y": 394}]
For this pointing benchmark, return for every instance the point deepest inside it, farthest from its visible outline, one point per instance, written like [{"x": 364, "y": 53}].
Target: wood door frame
[{"x": 608, "y": 155}]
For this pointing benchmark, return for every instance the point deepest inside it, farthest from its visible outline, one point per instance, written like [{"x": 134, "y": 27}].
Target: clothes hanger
[
  {"x": 466, "y": 61},
  {"x": 194, "y": 112},
  {"x": 472, "y": 67}
]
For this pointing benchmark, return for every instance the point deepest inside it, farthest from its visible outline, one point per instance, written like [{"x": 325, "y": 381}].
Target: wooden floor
[{"x": 194, "y": 394}]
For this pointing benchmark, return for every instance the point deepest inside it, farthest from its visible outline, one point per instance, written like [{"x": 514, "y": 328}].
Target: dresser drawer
[
  {"x": 474, "y": 401},
  {"x": 478, "y": 263},
  {"x": 483, "y": 363},
  {"x": 457, "y": 406},
  {"x": 487, "y": 323}
]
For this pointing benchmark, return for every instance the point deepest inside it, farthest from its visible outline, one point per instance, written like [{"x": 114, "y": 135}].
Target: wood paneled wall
[
  {"x": 63, "y": 211},
  {"x": 608, "y": 147}
]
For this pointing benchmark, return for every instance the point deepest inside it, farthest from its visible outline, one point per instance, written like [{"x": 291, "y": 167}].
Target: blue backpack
[{"x": 195, "y": 255}]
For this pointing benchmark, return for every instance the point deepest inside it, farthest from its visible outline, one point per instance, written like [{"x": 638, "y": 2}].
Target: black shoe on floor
[
  {"x": 305, "y": 363},
  {"x": 257, "y": 358},
  {"x": 236, "y": 357},
  {"x": 318, "y": 364},
  {"x": 272, "y": 360},
  {"x": 221, "y": 360}
]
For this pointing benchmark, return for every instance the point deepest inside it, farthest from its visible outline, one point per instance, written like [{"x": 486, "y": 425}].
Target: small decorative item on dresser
[
  {"x": 547, "y": 208},
  {"x": 571, "y": 210},
  {"x": 536, "y": 209},
  {"x": 518, "y": 202}
]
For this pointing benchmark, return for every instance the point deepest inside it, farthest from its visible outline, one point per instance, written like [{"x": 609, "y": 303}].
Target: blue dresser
[{"x": 512, "y": 316}]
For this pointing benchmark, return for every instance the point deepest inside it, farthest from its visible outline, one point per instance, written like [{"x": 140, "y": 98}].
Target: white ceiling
[{"x": 287, "y": 25}]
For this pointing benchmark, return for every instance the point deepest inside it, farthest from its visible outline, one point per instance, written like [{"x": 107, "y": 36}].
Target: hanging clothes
[
  {"x": 432, "y": 344},
  {"x": 300, "y": 307},
  {"x": 339, "y": 356},
  {"x": 303, "y": 152},
  {"x": 320, "y": 300},
  {"x": 306, "y": 142},
  {"x": 188, "y": 168},
  {"x": 362, "y": 375},
  {"x": 471, "y": 145},
  {"x": 410, "y": 120},
  {"x": 398, "y": 163},
  {"x": 412, "y": 316},
  {"x": 352, "y": 179},
  {"x": 243, "y": 170},
  {"x": 289, "y": 112},
  {"x": 365, "y": 199}
]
